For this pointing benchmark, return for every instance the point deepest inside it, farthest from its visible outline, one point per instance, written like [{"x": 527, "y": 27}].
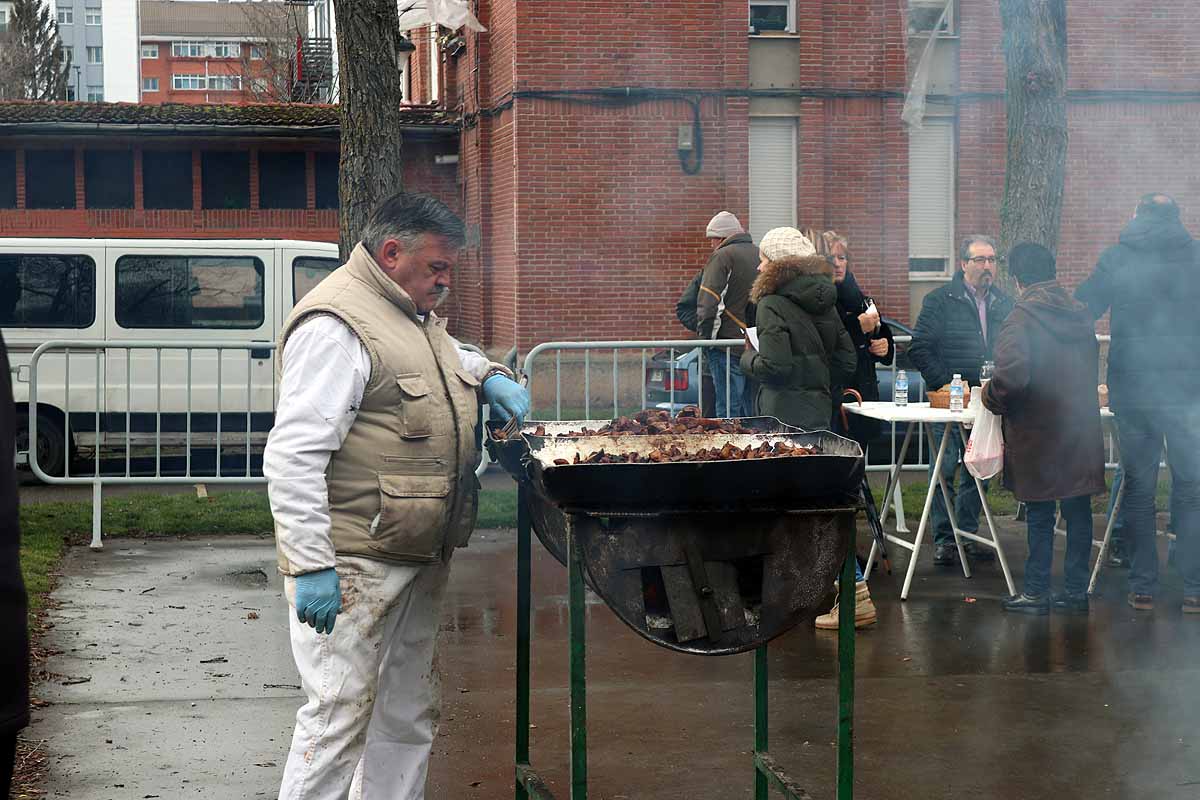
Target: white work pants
[{"x": 367, "y": 728}]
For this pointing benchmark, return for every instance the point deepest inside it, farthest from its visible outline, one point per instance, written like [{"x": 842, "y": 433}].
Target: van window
[
  {"x": 308, "y": 271},
  {"x": 189, "y": 292},
  {"x": 47, "y": 291}
]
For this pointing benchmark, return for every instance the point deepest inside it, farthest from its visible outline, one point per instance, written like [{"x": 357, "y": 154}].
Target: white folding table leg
[
  {"x": 898, "y": 499},
  {"x": 1104, "y": 543},
  {"x": 916, "y": 547},
  {"x": 962, "y": 555},
  {"x": 987, "y": 514},
  {"x": 893, "y": 482}
]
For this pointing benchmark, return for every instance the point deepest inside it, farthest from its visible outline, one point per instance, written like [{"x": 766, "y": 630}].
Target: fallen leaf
[{"x": 252, "y": 615}]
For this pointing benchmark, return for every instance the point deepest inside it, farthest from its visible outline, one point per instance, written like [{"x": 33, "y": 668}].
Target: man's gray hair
[
  {"x": 964, "y": 248},
  {"x": 406, "y": 216}
]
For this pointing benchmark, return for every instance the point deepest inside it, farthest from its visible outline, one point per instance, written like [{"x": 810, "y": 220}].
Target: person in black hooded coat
[
  {"x": 873, "y": 342},
  {"x": 1150, "y": 280},
  {"x": 14, "y": 630}
]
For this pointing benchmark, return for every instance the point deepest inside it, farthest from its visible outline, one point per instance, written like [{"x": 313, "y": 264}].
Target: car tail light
[{"x": 680, "y": 378}]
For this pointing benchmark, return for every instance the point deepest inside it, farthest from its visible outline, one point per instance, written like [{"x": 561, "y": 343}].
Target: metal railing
[{"x": 114, "y": 403}]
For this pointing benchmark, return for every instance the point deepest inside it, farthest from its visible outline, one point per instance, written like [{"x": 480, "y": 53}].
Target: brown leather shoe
[
  {"x": 1191, "y": 605},
  {"x": 1141, "y": 602}
]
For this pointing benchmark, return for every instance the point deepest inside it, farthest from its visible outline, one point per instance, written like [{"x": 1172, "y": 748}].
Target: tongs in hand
[{"x": 513, "y": 425}]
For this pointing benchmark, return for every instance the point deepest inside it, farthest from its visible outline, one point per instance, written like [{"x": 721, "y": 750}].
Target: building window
[
  {"x": 66, "y": 16},
  {"x": 170, "y": 186},
  {"x": 772, "y": 16},
  {"x": 187, "y": 81},
  {"x": 257, "y": 86},
  {"x": 225, "y": 50},
  {"x": 71, "y": 93},
  {"x": 923, "y": 17},
  {"x": 49, "y": 179},
  {"x": 108, "y": 178},
  {"x": 3, "y": 20},
  {"x": 189, "y": 292},
  {"x": 91, "y": 16},
  {"x": 931, "y": 197},
  {"x": 149, "y": 51},
  {"x": 307, "y": 272},
  {"x": 95, "y": 94},
  {"x": 8, "y": 178},
  {"x": 69, "y": 54},
  {"x": 772, "y": 174},
  {"x": 282, "y": 180},
  {"x": 47, "y": 291},
  {"x": 187, "y": 49},
  {"x": 95, "y": 55},
  {"x": 256, "y": 53},
  {"x": 225, "y": 83},
  {"x": 225, "y": 179},
  {"x": 326, "y": 167},
  {"x": 149, "y": 84}
]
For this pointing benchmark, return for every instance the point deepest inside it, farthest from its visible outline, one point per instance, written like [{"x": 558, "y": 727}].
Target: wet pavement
[{"x": 188, "y": 695}]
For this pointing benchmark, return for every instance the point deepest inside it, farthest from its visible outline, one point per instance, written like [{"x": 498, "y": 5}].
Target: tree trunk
[
  {"x": 368, "y": 34},
  {"x": 1035, "y": 51}
]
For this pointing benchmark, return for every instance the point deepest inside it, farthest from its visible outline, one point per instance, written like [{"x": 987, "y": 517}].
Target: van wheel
[{"x": 52, "y": 442}]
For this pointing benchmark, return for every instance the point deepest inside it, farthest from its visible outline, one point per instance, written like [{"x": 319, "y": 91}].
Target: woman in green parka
[{"x": 805, "y": 354}]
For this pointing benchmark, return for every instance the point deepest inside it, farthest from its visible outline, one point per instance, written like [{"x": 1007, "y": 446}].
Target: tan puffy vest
[{"x": 402, "y": 488}]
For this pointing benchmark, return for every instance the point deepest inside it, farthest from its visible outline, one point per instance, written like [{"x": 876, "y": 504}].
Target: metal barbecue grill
[{"x": 705, "y": 557}]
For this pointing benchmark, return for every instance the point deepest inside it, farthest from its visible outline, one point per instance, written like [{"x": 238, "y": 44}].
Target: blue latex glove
[
  {"x": 506, "y": 396},
  {"x": 318, "y": 599}
]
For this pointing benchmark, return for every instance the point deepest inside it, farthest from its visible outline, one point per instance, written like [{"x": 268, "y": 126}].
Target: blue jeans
[
  {"x": 1141, "y": 434},
  {"x": 967, "y": 504},
  {"x": 715, "y": 356},
  {"x": 1077, "y": 511},
  {"x": 1118, "y": 538}
]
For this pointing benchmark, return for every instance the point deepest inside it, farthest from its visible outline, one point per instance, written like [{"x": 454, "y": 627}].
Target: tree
[
  {"x": 1035, "y": 54},
  {"x": 33, "y": 65},
  {"x": 368, "y": 34},
  {"x": 269, "y": 60}
]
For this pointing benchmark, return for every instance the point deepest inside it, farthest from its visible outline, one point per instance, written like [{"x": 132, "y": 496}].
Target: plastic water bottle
[
  {"x": 956, "y": 393},
  {"x": 900, "y": 388}
]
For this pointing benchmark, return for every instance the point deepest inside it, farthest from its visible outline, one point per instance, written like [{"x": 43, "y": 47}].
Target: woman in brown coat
[{"x": 1044, "y": 388}]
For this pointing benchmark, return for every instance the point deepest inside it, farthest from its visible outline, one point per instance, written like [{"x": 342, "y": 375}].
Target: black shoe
[
  {"x": 945, "y": 555},
  {"x": 1024, "y": 604},
  {"x": 1067, "y": 603},
  {"x": 979, "y": 552}
]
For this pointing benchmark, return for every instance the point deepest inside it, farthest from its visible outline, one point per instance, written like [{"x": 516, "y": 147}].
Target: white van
[{"x": 149, "y": 290}]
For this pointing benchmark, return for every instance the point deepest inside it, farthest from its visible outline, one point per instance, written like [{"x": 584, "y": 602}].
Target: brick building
[
  {"x": 177, "y": 171},
  {"x": 593, "y": 145},
  {"x": 208, "y": 52}
]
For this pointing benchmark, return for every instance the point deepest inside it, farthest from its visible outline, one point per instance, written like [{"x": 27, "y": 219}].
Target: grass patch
[
  {"x": 1000, "y": 500},
  {"x": 48, "y": 528}
]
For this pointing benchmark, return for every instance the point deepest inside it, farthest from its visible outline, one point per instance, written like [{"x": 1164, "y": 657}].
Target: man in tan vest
[{"x": 371, "y": 476}]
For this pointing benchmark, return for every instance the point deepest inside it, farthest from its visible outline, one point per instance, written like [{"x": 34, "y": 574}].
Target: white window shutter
[
  {"x": 772, "y": 175},
  {"x": 931, "y": 192}
]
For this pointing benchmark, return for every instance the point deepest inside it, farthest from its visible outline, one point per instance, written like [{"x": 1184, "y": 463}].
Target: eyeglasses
[{"x": 981, "y": 260}]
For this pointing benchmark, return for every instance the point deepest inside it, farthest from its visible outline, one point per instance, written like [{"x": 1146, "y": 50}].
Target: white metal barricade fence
[{"x": 227, "y": 384}]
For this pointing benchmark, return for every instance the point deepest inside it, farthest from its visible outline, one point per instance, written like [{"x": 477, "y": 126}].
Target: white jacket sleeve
[{"x": 325, "y": 372}]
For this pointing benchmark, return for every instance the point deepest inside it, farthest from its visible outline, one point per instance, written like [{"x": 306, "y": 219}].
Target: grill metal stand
[{"x": 767, "y": 774}]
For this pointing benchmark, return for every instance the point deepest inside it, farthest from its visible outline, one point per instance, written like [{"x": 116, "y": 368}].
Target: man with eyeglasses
[{"x": 955, "y": 333}]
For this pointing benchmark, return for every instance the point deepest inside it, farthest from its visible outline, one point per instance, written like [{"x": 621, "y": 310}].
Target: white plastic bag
[{"x": 985, "y": 450}]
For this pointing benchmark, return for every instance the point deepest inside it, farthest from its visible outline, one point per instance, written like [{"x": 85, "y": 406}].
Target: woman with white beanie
[{"x": 805, "y": 354}]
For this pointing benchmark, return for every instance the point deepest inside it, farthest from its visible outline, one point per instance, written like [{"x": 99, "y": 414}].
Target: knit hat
[
  {"x": 779, "y": 243},
  {"x": 723, "y": 225}
]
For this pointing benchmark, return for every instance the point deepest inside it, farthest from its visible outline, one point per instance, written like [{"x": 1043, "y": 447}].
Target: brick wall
[
  {"x": 1120, "y": 146},
  {"x": 421, "y": 174}
]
